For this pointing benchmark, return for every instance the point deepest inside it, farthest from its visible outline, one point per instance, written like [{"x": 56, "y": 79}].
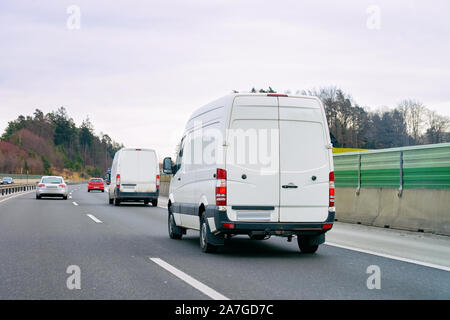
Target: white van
[
  {"x": 134, "y": 176},
  {"x": 254, "y": 164}
]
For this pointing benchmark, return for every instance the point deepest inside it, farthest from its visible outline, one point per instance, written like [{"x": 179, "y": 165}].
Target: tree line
[
  {"x": 353, "y": 126},
  {"x": 41, "y": 142}
]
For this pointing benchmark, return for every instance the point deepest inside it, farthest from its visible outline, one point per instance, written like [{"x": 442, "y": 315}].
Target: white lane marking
[
  {"x": 189, "y": 280},
  {"x": 70, "y": 197},
  {"x": 74, "y": 203},
  {"x": 422, "y": 263},
  {"x": 164, "y": 207},
  {"x": 94, "y": 218},
  {"x": 17, "y": 195}
]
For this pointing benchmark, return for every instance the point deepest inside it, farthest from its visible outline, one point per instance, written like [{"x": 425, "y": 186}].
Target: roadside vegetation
[
  {"x": 351, "y": 125},
  {"x": 52, "y": 144}
]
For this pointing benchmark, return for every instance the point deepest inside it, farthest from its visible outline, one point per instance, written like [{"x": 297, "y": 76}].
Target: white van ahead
[
  {"x": 254, "y": 164},
  {"x": 134, "y": 176}
]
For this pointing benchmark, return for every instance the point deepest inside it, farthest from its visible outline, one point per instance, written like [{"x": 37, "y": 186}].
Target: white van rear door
[
  {"x": 304, "y": 163},
  {"x": 147, "y": 171},
  {"x": 252, "y": 159},
  {"x": 138, "y": 171}
]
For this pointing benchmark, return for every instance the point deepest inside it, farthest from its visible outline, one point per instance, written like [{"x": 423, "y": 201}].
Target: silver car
[
  {"x": 7, "y": 180},
  {"x": 51, "y": 186}
]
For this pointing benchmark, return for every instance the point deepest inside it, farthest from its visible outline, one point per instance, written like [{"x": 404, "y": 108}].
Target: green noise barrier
[{"x": 426, "y": 166}]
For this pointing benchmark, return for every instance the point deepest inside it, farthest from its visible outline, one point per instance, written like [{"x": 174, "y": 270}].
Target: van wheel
[
  {"x": 146, "y": 202},
  {"x": 204, "y": 231},
  {"x": 64, "y": 197},
  {"x": 174, "y": 231},
  {"x": 116, "y": 202},
  {"x": 155, "y": 202},
  {"x": 305, "y": 247},
  {"x": 111, "y": 200}
]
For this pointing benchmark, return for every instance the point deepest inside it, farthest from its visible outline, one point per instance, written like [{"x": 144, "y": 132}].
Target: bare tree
[
  {"x": 414, "y": 113},
  {"x": 346, "y": 120},
  {"x": 437, "y": 127}
]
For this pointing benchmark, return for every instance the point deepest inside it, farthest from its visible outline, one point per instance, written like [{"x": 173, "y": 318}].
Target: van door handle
[{"x": 289, "y": 186}]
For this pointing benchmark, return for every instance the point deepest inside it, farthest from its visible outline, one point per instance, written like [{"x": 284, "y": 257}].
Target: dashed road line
[
  {"x": 94, "y": 218},
  {"x": 74, "y": 203},
  {"x": 189, "y": 280}
]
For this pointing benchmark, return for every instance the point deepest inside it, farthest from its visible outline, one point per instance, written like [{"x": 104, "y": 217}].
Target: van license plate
[{"x": 260, "y": 216}]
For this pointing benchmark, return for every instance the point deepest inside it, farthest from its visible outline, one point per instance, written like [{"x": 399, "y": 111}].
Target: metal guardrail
[{"x": 14, "y": 188}]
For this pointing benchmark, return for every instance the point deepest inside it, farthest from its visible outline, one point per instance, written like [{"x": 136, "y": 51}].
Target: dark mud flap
[
  {"x": 219, "y": 239},
  {"x": 215, "y": 240},
  {"x": 315, "y": 240}
]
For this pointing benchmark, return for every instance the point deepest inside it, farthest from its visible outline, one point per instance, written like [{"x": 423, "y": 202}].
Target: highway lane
[{"x": 40, "y": 239}]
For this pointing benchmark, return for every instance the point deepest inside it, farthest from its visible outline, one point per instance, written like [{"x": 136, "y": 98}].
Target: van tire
[
  {"x": 305, "y": 246},
  {"x": 155, "y": 202},
  {"x": 116, "y": 202},
  {"x": 146, "y": 202},
  {"x": 204, "y": 231},
  {"x": 111, "y": 200},
  {"x": 174, "y": 231}
]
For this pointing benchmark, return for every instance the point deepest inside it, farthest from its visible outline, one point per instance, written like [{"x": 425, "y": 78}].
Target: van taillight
[
  {"x": 41, "y": 185},
  {"x": 221, "y": 187},
  {"x": 118, "y": 181},
  {"x": 332, "y": 189},
  {"x": 157, "y": 181}
]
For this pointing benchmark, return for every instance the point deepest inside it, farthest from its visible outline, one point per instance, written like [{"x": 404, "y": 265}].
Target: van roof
[
  {"x": 225, "y": 101},
  {"x": 137, "y": 149}
]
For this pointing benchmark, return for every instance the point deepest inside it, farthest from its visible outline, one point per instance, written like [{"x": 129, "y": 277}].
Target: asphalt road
[{"x": 40, "y": 239}]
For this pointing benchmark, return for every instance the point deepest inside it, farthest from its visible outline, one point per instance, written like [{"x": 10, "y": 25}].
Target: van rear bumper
[
  {"x": 135, "y": 195},
  {"x": 224, "y": 225}
]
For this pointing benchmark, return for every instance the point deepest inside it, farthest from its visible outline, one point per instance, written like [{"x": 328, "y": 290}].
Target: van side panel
[
  {"x": 212, "y": 152},
  {"x": 194, "y": 183},
  {"x": 114, "y": 169}
]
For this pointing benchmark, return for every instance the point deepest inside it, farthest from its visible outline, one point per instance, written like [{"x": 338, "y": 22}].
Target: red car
[{"x": 96, "y": 184}]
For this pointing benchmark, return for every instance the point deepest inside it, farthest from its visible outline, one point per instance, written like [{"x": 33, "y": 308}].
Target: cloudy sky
[{"x": 139, "y": 68}]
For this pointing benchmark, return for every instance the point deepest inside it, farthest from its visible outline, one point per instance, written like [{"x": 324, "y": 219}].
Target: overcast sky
[{"x": 139, "y": 68}]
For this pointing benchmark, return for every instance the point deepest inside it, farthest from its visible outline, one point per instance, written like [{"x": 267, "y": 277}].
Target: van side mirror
[{"x": 167, "y": 165}]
